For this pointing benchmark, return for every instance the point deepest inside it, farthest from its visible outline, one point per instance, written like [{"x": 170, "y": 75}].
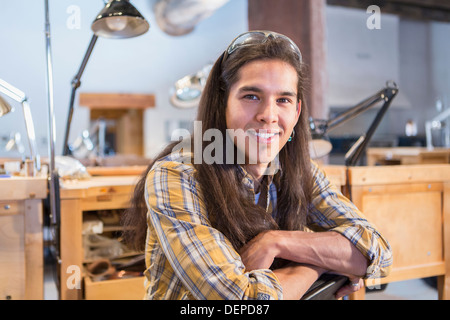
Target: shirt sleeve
[
  {"x": 201, "y": 257},
  {"x": 332, "y": 211}
]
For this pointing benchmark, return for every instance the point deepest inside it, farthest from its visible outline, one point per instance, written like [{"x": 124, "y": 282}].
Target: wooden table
[
  {"x": 410, "y": 206},
  {"x": 21, "y": 238},
  {"x": 77, "y": 196},
  {"x": 407, "y": 155}
]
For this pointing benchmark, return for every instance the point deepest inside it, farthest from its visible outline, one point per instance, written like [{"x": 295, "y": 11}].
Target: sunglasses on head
[{"x": 252, "y": 38}]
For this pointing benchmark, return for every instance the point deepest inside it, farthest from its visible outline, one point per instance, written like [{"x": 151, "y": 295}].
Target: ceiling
[{"x": 437, "y": 10}]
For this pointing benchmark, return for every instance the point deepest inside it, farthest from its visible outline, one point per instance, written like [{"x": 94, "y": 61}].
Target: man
[{"x": 235, "y": 228}]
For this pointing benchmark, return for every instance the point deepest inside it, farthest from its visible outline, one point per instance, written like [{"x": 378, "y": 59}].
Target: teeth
[{"x": 264, "y": 135}]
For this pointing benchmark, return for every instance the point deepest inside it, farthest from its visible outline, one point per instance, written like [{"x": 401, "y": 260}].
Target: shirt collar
[{"x": 248, "y": 181}]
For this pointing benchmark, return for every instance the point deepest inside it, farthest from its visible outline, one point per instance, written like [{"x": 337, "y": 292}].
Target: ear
[{"x": 299, "y": 109}]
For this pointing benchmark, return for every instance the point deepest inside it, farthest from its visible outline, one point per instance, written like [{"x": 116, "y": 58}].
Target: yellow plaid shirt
[{"x": 187, "y": 258}]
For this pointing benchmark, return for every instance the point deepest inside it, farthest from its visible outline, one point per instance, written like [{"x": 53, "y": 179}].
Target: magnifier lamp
[
  {"x": 119, "y": 19},
  {"x": 188, "y": 90},
  {"x": 5, "y": 108},
  {"x": 320, "y": 146}
]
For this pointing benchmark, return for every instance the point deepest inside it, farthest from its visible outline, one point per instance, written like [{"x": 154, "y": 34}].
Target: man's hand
[
  {"x": 260, "y": 252},
  {"x": 354, "y": 285}
]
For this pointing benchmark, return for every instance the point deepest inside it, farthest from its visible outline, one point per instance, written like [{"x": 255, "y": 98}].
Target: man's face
[{"x": 262, "y": 109}]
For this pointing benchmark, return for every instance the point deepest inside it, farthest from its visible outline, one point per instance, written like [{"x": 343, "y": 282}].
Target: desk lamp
[
  {"x": 320, "y": 146},
  {"x": 19, "y": 96},
  {"x": 188, "y": 90},
  {"x": 119, "y": 19}
]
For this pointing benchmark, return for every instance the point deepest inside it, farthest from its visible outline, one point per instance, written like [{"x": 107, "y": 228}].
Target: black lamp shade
[{"x": 119, "y": 19}]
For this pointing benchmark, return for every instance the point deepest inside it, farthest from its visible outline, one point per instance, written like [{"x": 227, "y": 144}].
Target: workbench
[
  {"x": 410, "y": 206},
  {"x": 21, "y": 238},
  {"x": 407, "y": 155},
  {"x": 78, "y": 196}
]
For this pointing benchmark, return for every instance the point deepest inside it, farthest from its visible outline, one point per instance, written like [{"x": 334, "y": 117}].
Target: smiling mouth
[{"x": 265, "y": 136}]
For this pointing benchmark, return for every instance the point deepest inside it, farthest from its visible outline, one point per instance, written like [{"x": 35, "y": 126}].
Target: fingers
[
  {"x": 354, "y": 285},
  {"x": 259, "y": 252}
]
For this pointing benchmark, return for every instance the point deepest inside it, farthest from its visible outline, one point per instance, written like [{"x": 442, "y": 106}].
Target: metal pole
[
  {"x": 53, "y": 173},
  {"x": 75, "y": 85}
]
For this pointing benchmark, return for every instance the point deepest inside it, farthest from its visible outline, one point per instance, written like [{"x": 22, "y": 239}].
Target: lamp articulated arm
[
  {"x": 356, "y": 151},
  {"x": 19, "y": 96},
  {"x": 76, "y": 83},
  {"x": 385, "y": 95}
]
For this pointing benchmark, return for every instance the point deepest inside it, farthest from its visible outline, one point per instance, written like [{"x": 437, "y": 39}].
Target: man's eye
[
  {"x": 284, "y": 100},
  {"x": 250, "y": 97}
]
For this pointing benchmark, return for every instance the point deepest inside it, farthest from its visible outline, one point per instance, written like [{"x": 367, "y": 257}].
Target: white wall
[
  {"x": 150, "y": 63},
  {"x": 360, "y": 60},
  {"x": 440, "y": 57},
  {"x": 414, "y": 53}
]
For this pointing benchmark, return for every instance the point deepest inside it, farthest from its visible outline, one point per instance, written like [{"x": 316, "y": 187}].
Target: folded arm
[
  {"x": 331, "y": 211},
  {"x": 343, "y": 241},
  {"x": 327, "y": 250},
  {"x": 314, "y": 254}
]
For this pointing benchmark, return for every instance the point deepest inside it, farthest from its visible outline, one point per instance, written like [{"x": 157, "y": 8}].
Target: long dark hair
[{"x": 226, "y": 198}]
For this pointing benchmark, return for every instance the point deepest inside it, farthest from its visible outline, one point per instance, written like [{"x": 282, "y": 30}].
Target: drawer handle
[{"x": 7, "y": 207}]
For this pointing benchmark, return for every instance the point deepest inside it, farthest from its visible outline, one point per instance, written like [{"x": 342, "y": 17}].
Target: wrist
[
  {"x": 277, "y": 241},
  {"x": 290, "y": 245}
]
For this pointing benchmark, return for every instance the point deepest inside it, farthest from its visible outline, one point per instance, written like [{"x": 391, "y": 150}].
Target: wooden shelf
[
  {"x": 96, "y": 193},
  {"x": 117, "y": 100},
  {"x": 127, "y": 111}
]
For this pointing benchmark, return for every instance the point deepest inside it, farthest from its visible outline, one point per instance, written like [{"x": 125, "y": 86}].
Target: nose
[{"x": 267, "y": 112}]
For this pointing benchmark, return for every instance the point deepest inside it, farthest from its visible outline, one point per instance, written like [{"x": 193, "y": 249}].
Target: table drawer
[
  {"x": 122, "y": 289},
  {"x": 8, "y": 208}
]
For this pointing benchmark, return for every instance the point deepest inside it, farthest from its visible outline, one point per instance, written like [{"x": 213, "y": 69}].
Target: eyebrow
[{"x": 259, "y": 90}]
